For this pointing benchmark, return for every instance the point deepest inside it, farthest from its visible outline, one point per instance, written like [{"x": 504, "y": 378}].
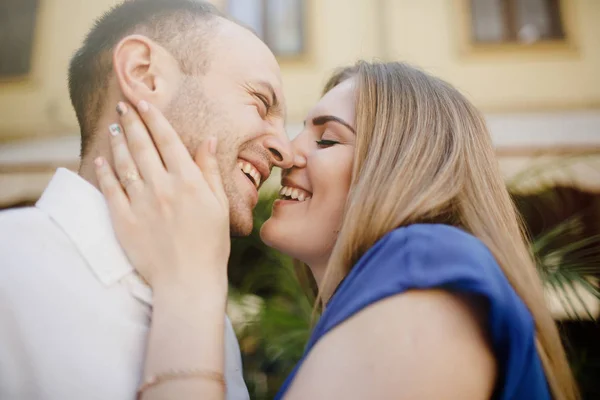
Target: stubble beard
[{"x": 194, "y": 117}]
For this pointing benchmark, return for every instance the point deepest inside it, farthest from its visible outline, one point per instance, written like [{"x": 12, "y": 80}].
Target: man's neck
[
  {"x": 99, "y": 146},
  {"x": 87, "y": 170}
]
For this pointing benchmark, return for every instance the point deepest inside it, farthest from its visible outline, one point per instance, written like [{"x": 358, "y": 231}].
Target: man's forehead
[
  {"x": 260, "y": 69},
  {"x": 240, "y": 54},
  {"x": 243, "y": 48}
]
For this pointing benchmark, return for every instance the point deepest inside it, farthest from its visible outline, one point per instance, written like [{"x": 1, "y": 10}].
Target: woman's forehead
[{"x": 339, "y": 101}]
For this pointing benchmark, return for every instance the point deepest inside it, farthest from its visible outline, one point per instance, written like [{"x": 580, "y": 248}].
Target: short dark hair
[{"x": 181, "y": 26}]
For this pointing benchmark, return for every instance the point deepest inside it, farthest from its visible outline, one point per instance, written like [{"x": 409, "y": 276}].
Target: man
[{"x": 74, "y": 314}]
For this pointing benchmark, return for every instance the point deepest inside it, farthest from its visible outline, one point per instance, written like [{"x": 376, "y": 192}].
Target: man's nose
[{"x": 280, "y": 151}]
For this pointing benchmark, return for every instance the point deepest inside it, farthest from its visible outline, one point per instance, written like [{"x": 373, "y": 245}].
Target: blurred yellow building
[{"x": 532, "y": 66}]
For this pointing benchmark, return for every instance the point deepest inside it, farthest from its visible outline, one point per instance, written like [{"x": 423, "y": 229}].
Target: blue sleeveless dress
[{"x": 424, "y": 256}]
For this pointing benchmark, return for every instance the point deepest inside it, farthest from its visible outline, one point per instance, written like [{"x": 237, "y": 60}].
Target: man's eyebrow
[{"x": 323, "y": 119}]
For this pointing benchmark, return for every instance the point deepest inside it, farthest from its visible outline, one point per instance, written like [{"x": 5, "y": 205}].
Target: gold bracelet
[{"x": 181, "y": 374}]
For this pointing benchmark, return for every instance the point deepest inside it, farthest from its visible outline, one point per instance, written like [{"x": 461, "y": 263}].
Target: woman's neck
[
  {"x": 321, "y": 278},
  {"x": 318, "y": 272}
]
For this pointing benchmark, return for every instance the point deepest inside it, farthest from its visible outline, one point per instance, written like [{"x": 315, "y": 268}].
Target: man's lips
[
  {"x": 251, "y": 192},
  {"x": 251, "y": 166}
]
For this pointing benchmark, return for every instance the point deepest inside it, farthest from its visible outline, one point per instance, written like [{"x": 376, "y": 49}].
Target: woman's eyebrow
[{"x": 323, "y": 119}]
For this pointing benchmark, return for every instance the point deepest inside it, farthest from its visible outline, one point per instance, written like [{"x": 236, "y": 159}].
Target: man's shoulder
[
  {"x": 27, "y": 222},
  {"x": 19, "y": 215},
  {"x": 28, "y": 234}
]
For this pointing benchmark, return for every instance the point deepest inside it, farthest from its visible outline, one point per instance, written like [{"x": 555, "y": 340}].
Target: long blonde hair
[{"x": 423, "y": 154}]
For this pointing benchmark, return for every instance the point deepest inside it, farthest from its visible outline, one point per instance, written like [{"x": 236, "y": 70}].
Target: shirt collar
[{"x": 82, "y": 213}]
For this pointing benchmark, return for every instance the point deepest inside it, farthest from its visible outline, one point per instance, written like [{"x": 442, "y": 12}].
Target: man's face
[{"x": 239, "y": 100}]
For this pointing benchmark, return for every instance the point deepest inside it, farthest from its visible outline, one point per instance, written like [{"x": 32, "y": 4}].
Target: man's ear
[{"x": 145, "y": 70}]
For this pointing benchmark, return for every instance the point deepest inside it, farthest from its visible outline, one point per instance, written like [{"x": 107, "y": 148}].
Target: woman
[{"x": 396, "y": 204}]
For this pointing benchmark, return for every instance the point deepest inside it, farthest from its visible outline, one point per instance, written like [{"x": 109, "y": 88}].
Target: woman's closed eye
[{"x": 323, "y": 143}]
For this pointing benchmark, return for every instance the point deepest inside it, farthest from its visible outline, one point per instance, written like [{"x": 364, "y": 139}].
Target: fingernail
[
  {"x": 99, "y": 161},
  {"x": 143, "y": 106},
  {"x": 115, "y": 129},
  {"x": 121, "y": 108},
  {"x": 212, "y": 145}
]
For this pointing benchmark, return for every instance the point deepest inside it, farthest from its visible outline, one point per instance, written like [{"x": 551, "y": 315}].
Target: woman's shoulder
[
  {"x": 426, "y": 255},
  {"x": 433, "y": 240},
  {"x": 432, "y": 260}
]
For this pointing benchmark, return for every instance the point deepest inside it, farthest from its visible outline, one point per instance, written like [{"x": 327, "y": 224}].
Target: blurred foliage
[
  {"x": 564, "y": 224},
  {"x": 272, "y": 339},
  {"x": 564, "y": 227}
]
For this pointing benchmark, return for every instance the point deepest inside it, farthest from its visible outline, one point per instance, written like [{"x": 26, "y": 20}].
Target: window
[
  {"x": 17, "y": 23},
  {"x": 279, "y": 23},
  {"x": 516, "y": 21}
]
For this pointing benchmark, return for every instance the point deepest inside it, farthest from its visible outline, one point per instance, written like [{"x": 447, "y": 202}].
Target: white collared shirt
[{"x": 74, "y": 316}]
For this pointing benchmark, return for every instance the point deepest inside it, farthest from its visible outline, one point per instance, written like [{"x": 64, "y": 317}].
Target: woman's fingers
[
  {"x": 175, "y": 155},
  {"x": 140, "y": 144},
  {"x": 207, "y": 161},
  {"x": 125, "y": 167},
  {"x": 117, "y": 200}
]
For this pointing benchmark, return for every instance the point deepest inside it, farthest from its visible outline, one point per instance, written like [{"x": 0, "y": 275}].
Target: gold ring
[{"x": 129, "y": 178}]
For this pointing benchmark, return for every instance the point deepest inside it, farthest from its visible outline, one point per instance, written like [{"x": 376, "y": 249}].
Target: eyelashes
[
  {"x": 263, "y": 99},
  {"x": 323, "y": 143}
]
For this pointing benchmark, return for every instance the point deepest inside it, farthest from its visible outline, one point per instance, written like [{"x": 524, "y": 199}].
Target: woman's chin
[
  {"x": 267, "y": 234},
  {"x": 272, "y": 235}
]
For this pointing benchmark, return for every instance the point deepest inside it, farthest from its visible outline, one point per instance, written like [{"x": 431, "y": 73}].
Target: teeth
[
  {"x": 249, "y": 169},
  {"x": 294, "y": 193}
]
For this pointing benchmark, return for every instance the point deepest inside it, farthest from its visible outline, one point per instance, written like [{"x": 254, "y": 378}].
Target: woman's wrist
[
  {"x": 187, "y": 335},
  {"x": 207, "y": 281},
  {"x": 201, "y": 275}
]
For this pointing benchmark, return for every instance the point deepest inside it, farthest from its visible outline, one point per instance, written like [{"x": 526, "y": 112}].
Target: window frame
[
  {"x": 31, "y": 50},
  {"x": 566, "y": 46},
  {"x": 307, "y": 9}
]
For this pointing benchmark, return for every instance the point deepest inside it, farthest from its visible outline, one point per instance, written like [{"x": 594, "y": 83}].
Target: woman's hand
[
  {"x": 169, "y": 211},
  {"x": 171, "y": 216}
]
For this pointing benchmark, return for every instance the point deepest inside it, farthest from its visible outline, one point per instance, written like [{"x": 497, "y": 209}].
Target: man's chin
[
  {"x": 241, "y": 225},
  {"x": 240, "y": 231}
]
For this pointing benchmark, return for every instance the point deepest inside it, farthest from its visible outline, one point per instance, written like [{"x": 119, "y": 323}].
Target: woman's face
[{"x": 308, "y": 214}]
